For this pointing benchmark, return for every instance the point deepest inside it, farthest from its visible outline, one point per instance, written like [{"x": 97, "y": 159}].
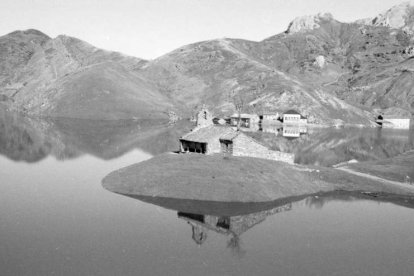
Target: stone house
[
  {"x": 204, "y": 140},
  {"x": 226, "y": 140},
  {"x": 270, "y": 117}
]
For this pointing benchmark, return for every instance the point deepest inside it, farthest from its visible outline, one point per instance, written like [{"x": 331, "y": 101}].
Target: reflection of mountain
[
  {"x": 31, "y": 140},
  {"x": 330, "y": 146}
]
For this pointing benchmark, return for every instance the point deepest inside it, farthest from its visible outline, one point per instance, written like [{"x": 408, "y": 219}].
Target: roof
[
  {"x": 229, "y": 136},
  {"x": 294, "y": 112},
  {"x": 291, "y": 111},
  {"x": 208, "y": 134}
]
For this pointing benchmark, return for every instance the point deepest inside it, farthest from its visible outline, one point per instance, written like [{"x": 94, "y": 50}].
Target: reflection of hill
[
  {"x": 331, "y": 146},
  {"x": 31, "y": 140}
]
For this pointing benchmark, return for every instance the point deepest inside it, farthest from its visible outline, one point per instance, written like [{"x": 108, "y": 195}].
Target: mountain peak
[
  {"x": 308, "y": 22},
  {"x": 398, "y": 17}
]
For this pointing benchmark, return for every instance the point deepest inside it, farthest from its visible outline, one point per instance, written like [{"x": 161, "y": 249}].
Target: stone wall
[
  {"x": 214, "y": 146},
  {"x": 246, "y": 146}
]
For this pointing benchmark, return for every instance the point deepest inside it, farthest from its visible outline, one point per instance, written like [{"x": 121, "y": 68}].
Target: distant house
[
  {"x": 246, "y": 120},
  {"x": 294, "y": 117},
  {"x": 270, "y": 117},
  {"x": 393, "y": 121},
  {"x": 227, "y": 140},
  {"x": 204, "y": 140}
]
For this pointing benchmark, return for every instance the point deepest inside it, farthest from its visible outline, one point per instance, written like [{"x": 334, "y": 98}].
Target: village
[
  {"x": 225, "y": 136},
  {"x": 228, "y": 135}
]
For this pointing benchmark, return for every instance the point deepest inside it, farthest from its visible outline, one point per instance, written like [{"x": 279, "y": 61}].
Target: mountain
[
  {"x": 66, "y": 77},
  {"x": 368, "y": 66},
  {"x": 326, "y": 69},
  {"x": 221, "y": 72}
]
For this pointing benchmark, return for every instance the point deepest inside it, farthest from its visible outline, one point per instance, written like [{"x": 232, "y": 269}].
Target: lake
[{"x": 56, "y": 219}]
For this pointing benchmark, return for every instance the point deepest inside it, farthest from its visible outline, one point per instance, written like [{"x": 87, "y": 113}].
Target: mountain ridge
[{"x": 328, "y": 70}]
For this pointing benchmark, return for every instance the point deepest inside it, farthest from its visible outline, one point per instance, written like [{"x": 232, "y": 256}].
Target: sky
[{"x": 151, "y": 28}]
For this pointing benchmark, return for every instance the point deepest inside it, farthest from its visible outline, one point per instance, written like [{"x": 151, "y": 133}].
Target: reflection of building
[
  {"x": 294, "y": 117},
  {"x": 222, "y": 139},
  {"x": 226, "y": 225},
  {"x": 294, "y": 130},
  {"x": 271, "y": 128},
  {"x": 246, "y": 120}
]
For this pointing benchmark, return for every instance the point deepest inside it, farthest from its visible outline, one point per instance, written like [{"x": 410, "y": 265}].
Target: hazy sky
[{"x": 150, "y": 28}]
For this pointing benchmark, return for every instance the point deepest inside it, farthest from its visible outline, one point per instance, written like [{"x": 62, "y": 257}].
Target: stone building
[
  {"x": 270, "y": 117},
  {"x": 204, "y": 118},
  {"x": 204, "y": 140},
  {"x": 227, "y": 140}
]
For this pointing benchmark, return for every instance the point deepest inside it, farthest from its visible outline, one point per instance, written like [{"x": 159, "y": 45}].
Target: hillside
[
  {"x": 326, "y": 69},
  {"x": 219, "y": 74},
  {"x": 66, "y": 77}
]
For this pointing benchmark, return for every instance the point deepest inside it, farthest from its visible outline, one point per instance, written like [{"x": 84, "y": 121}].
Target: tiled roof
[
  {"x": 208, "y": 134},
  {"x": 229, "y": 136}
]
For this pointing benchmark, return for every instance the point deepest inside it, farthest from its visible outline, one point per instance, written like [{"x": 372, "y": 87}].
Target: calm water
[{"x": 56, "y": 219}]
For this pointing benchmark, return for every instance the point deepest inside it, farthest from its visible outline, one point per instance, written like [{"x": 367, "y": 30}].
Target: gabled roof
[
  {"x": 229, "y": 136},
  {"x": 208, "y": 134},
  {"x": 294, "y": 112}
]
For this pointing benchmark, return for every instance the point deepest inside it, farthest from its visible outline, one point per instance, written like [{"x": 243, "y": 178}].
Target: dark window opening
[
  {"x": 226, "y": 146},
  {"x": 223, "y": 222}
]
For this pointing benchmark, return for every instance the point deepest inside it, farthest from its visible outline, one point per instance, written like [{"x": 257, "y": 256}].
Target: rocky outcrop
[
  {"x": 398, "y": 17},
  {"x": 308, "y": 22}
]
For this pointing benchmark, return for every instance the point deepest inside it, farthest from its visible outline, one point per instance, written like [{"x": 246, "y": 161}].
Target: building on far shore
[
  {"x": 216, "y": 139},
  {"x": 294, "y": 117},
  {"x": 246, "y": 120},
  {"x": 271, "y": 117},
  {"x": 393, "y": 121}
]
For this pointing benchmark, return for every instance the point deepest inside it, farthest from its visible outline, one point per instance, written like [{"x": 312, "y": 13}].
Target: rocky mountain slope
[
  {"x": 326, "y": 69},
  {"x": 66, "y": 77}
]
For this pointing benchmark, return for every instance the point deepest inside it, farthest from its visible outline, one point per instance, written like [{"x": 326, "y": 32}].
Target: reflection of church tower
[
  {"x": 199, "y": 235},
  {"x": 204, "y": 117}
]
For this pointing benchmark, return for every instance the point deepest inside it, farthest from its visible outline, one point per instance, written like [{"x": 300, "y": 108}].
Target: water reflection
[
  {"x": 231, "y": 226},
  {"x": 31, "y": 140},
  {"x": 330, "y": 146},
  {"x": 231, "y": 219}
]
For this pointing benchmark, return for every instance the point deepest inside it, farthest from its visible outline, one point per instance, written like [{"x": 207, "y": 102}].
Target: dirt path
[{"x": 400, "y": 184}]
